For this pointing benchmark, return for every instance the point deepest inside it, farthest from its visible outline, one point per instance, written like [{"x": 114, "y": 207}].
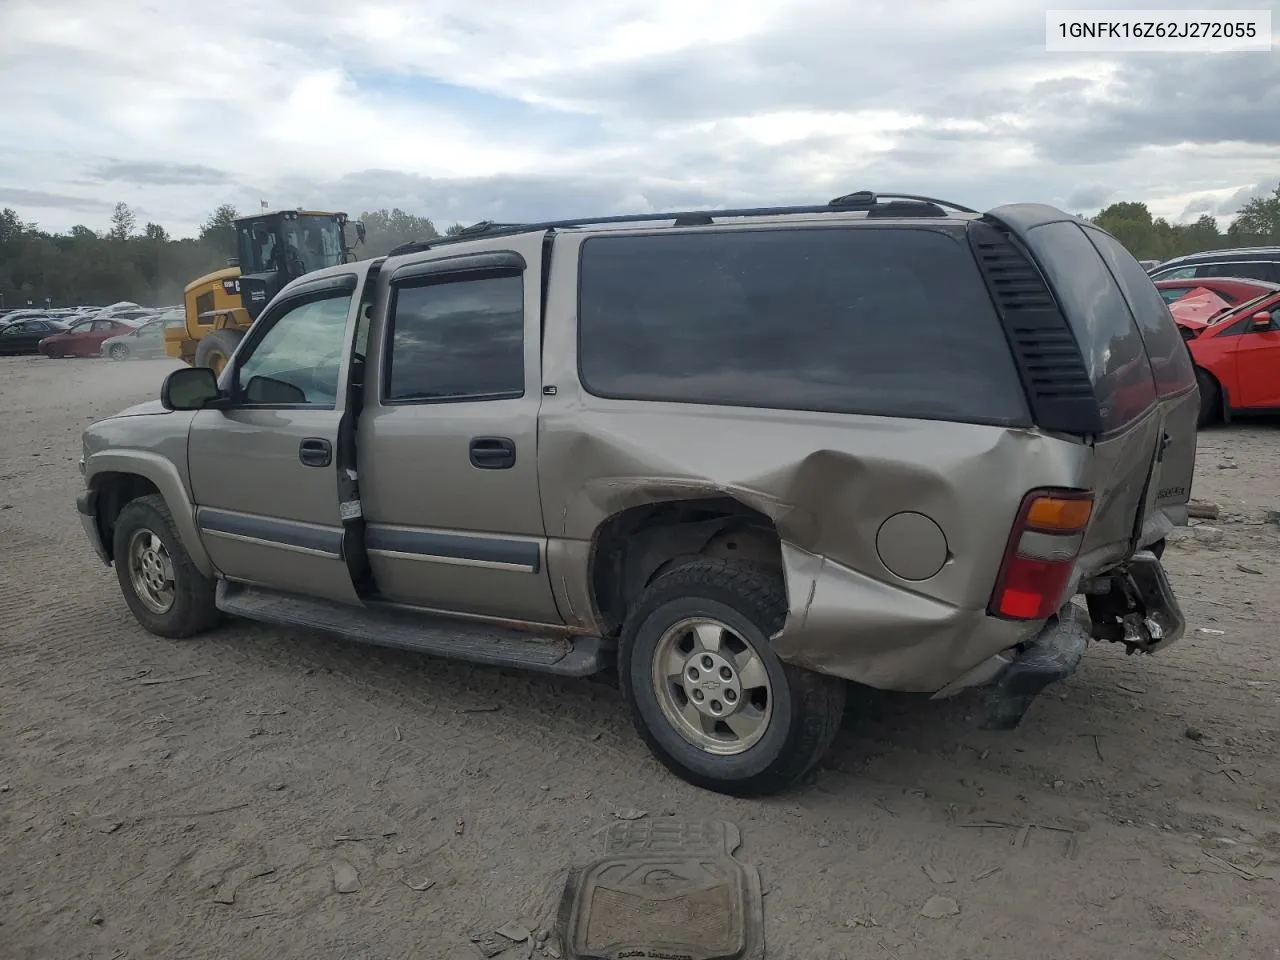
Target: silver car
[{"x": 147, "y": 341}]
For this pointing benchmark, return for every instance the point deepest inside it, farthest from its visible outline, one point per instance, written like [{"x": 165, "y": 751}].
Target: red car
[
  {"x": 1231, "y": 289},
  {"x": 1237, "y": 358},
  {"x": 83, "y": 339}
]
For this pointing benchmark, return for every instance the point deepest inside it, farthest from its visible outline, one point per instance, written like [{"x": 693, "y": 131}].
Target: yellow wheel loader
[{"x": 272, "y": 248}]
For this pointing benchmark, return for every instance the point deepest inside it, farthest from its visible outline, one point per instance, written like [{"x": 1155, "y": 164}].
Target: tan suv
[{"x": 745, "y": 456}]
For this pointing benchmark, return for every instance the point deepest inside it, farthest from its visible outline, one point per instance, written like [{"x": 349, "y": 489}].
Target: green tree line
[
  {"x": 147, "y": 266},
  {"x": 1257, "y": 223}
]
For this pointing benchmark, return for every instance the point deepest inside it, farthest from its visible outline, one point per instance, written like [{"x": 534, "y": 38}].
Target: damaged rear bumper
[{"x": 1051, "y": 655}]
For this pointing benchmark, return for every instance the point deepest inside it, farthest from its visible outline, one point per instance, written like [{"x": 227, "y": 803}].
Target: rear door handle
[
  {"x": 493, "y": 453},
  {"x": 315, "y": 452}
]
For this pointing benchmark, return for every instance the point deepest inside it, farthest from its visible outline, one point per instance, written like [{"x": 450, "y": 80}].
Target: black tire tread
[
  {"x": 195, "y": 610},
  {"x": 1210, "y": 397},
  {"x": 756, "y": 591}
]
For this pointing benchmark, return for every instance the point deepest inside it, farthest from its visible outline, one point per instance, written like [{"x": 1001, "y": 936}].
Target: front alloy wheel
[
  {"x": 164, "y": 590},
  {"x": 151, "y": 571}
]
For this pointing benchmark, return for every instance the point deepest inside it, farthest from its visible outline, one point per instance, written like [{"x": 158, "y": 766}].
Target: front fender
[{"x": 167, "y": 480}]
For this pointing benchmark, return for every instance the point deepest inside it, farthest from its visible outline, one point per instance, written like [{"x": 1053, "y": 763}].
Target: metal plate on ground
[{"x": 664, "y": 890}]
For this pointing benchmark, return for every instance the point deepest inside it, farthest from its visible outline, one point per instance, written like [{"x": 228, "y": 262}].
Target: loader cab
[{"x": 275, "y": 248}]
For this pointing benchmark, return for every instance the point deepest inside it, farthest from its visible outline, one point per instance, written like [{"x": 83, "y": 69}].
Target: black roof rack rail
[
  {"x": 873, "y": 203},
  {"x": 865, "y": 198}
]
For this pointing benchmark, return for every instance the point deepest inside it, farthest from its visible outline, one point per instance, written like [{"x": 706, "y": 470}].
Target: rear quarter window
[
  {"x": 1099, "y": 317},
  {"x": 884, "y": 321},
  {"x": 1166, "y": 350}
]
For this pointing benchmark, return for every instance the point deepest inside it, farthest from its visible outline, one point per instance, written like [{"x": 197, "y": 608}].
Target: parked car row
[
  {"x": 121, "y": 331},
  {"x": 1231, "y": 325},
  {"x": 1252, "y": 263}
]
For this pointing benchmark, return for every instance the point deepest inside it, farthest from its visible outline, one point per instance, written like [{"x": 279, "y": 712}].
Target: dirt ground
[{"x": 130, "y": 807}]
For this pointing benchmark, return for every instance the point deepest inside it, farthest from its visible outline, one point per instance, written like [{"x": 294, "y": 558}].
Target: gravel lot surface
[{"x": 133, "y": 810}]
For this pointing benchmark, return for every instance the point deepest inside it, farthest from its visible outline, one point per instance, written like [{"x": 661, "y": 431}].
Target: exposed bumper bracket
[
  {"x": 1052, "y": 655},
  {"x": 1136, "y": 606}
]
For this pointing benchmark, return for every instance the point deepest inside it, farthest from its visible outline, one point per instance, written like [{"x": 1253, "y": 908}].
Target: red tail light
[{"x": 1041, "y": 554}]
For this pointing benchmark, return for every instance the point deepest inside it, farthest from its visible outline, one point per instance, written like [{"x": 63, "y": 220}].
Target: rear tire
[
  {"x": 1210, "y": 398},
  {"x": 162, "y": 587},
  {"x": 746, "y": 724},
  {"x": 215, "y": 348}
]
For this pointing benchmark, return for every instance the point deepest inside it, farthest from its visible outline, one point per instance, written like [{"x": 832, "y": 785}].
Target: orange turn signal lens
[{"x": 1059, "y": 514}]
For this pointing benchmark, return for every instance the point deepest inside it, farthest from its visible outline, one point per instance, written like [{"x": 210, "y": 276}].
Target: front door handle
[
  {"x": 493, "y": 453},
  {"x": 315, "y": 452}
]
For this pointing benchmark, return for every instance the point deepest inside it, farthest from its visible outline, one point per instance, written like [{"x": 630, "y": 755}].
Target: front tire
[
  {"x": 1210, "y": 398},
  {"x": 707, "y": 693},
  {"x": 162, "y": 587},
  {"x": 119, "y": 351}
]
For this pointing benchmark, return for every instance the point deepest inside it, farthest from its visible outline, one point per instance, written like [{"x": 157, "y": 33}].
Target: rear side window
[
  {"x": 1249, "y": 269},
  {"x": 1100, "y": 319},
  {"x": 874, "y": 320},
  {"x": 457, "y": 339},
  {"x": 1167, "y": 351}
]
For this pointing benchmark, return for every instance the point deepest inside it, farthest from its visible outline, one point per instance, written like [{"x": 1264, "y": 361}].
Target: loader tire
[{"x": 215, "y": 348}]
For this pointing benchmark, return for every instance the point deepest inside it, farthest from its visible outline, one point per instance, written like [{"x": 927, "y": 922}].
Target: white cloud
[{"x": 462, "y": 110}]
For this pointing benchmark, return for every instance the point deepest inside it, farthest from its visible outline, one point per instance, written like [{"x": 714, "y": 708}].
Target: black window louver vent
[{"x": 1049, "y": 362}]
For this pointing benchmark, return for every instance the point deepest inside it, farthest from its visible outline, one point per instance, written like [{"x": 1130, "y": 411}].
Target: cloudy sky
[{"x": 513, "y": 109}]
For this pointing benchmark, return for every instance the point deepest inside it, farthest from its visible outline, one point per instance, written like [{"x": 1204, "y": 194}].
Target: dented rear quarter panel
[{"x": 828, "y": 482}]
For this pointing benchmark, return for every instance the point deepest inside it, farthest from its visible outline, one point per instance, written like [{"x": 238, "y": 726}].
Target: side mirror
[
  {"x": 190, "y": 388},
  {"x": 1261, "y": 320},
  {"x": 360, "y": 233},
  {"x": 271, "y": 390}
]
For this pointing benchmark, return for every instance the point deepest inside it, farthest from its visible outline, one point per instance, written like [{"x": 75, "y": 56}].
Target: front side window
[
  {"x": 882, "y": 321},
  {"x": 1178, "y": 273},
  {"x": 1248, "y": 269},
  {"x": 457, "y": 339},
  {"x": 298, "y": 359},
  {"x": 256, "y": 245}
]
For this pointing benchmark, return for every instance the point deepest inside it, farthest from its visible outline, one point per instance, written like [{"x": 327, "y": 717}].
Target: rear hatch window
[{"x": 880, "y": 320}]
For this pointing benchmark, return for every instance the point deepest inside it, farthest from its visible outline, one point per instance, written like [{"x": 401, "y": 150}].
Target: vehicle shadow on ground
[{"x": 911, "y": 729}]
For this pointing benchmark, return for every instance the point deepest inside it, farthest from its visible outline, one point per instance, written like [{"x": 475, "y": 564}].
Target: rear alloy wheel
[
  {"x": 1210, "y": 398},
  {"x": 707, "y": 693},
  {"x": 119, "y": 352},
  {"x": 162, "y": 587}
]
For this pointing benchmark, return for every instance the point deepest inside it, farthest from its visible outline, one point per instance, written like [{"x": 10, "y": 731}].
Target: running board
[{"x": 472, "y": 640}]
